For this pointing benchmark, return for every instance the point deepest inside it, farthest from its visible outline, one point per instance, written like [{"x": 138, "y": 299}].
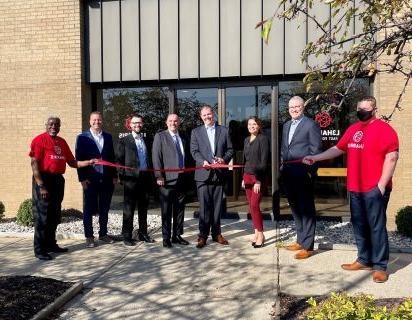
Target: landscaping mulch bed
[
  {"x": 21, "y": 297},
  {"x": 294, "y": 307}
]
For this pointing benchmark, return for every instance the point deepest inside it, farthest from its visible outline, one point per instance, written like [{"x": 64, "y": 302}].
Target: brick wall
[
  {"x": 40, "y": 74},
  {"x": 386, "y": 89}
]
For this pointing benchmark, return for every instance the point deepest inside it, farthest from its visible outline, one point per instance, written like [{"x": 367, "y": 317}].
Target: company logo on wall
[{"x": 324, "y": 119}]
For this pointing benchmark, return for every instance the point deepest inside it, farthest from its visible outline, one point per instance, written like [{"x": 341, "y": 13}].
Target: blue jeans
[{"x": 368, "y": 213}]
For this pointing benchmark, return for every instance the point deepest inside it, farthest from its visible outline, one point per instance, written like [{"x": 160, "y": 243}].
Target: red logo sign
[{"x": 323, "y": 119}]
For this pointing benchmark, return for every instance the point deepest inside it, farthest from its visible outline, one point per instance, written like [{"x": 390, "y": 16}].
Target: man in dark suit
[
  {"x": 210, "y": 144},
  {"x": 97, "y": 181},
  {"x": 300, "y": 137},
  {"x": 170, "y": 151},
  {"x": 134, "y": 151}
]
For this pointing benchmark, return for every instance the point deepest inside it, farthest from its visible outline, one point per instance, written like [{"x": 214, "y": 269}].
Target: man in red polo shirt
[
  {"x": 49, "y": 155},
  {"x": 372, "y": 147}
]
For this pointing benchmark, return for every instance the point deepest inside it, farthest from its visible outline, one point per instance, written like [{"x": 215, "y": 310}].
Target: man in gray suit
[
  {"x": 300, "y": 137},
  {"x": 210, "y": 144},
  {"x": 169, "y": 152},
  {"x": 134, "y": 151}
]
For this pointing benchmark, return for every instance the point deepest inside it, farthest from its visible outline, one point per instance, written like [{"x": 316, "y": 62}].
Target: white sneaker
[{"x": 90, "y": 242}]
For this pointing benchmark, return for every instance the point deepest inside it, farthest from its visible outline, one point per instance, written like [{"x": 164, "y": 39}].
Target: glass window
[
  {"x": 333, "y": 123},
  {"x": 189, "y": 102},
  {"x": 242, "y": 103},
  {"x": 118, "y": 104}
]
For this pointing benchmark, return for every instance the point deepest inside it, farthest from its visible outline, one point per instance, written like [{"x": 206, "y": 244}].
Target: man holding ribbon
[
  {"x": 300, "y": 137},
  {"x": 170, "y": 151},
  {"x": 97, "y": 181},
  {"x": 210, "y": 144},
  {"x": 134, "y": 151},
  {"x": 49, "y": 155}
]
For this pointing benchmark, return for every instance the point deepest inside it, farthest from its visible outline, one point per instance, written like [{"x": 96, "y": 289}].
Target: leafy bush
[
  {"x": 25, "y": 214},
  {"x": 2, "y": 209},
  {"x": 361, "y": 307},
  {"x": 404, "y": 221}
]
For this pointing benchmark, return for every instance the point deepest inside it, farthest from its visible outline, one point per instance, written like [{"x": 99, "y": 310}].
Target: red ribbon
[{"x": 211, "y": 166}]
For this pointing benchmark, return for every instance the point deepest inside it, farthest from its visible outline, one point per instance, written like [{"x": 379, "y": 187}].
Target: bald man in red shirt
[{"x": 49, "y": 155}]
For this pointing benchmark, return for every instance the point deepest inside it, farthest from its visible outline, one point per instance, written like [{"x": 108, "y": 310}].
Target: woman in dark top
[{"x": 256, "y": 157}]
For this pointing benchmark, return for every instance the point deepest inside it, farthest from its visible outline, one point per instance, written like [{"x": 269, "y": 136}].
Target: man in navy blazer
[
  {"x": 133, "y": 151},
  {"x": 97, "y": 181},
  {"x": 170, "y": 151},
  {"x": 210, "y": 143},
  {"x": 301, "y": 136}
]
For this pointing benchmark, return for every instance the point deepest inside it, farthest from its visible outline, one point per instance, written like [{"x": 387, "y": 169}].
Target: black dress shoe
[
  {"x": 129, "y": 242},
  {"x": 180, "y": 240},
  {"x": 43, "y": 256},
  {"x": 167, "y": 243},
  {"x": 145, "y": 238},
  {"x": 57, "y": 249}
]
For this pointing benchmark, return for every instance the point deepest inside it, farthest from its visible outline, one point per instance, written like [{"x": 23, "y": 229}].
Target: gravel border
[{"x": 330, "y": 235}]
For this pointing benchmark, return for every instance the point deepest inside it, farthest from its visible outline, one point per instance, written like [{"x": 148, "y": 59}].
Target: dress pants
[
  {"x": 368, "y": 214},
  {"x": 299, "y": 183},
  {"x": 210, "y": 194},
  {"x": 254, "y": 200},
  {"x": 47, "y": 212},
  {"x": 97, "y": 198},
  {"x": 172, "y": 202},
  {"x": 135, "y": 192}
]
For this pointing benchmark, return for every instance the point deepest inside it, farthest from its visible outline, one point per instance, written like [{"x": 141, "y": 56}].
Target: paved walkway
[{"x": 217, "y": 282}]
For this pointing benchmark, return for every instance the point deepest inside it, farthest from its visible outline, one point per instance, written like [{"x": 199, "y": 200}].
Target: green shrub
[
  {"x": 360, "y": 307},
  {"x": 25, "y": 214},
  {"x": 404, "y": 221},
  {"x": 2, "y": 209}
]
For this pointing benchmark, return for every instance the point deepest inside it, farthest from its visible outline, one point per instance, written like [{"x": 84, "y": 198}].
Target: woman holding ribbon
[{"x": 256, "y": 158}]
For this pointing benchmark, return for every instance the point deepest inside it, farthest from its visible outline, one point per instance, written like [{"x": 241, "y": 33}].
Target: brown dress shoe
[
  {"x": 380, "y": 276},
  {"x": 219, "y": 239},
  {"x": 294, "y": 247},
  {"x": 303, "y": 254},
  {"x": 201, "y": 242},
  {"x": 355, "y": 266}
]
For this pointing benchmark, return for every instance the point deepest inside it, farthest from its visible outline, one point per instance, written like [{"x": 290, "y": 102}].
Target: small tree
[{"x": 382, "y": 45}]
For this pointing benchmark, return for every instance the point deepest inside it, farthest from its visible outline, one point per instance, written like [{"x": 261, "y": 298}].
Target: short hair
[
  {"x": 258, "y": 121},
  {"x": 298, "y": 99},
  {"x": 96, "y": 112},
  {"x": 205, "y": 106},
  {"x": 370, "y": 99},
  {"x": 52, "y": 117},
  {"x": 136, "y": 115}
]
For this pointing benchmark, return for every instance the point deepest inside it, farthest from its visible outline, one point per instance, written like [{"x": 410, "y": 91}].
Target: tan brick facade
[
  {"x": 40, "y": 74},
  {"x": 386, "y": 89}
]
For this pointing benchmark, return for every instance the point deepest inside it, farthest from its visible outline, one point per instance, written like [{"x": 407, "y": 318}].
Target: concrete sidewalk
[
  {"x": 217, "y": 282},
  {"x": 152, "y": 282}
]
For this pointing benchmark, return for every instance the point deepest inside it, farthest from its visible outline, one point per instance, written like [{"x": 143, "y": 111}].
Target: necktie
[{"x": 179, "y": 152}]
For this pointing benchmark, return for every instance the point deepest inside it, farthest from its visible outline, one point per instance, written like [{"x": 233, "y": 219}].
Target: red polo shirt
[
  {"x": 51, "y": 153},
  {"x": 367, "y": 145}
]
